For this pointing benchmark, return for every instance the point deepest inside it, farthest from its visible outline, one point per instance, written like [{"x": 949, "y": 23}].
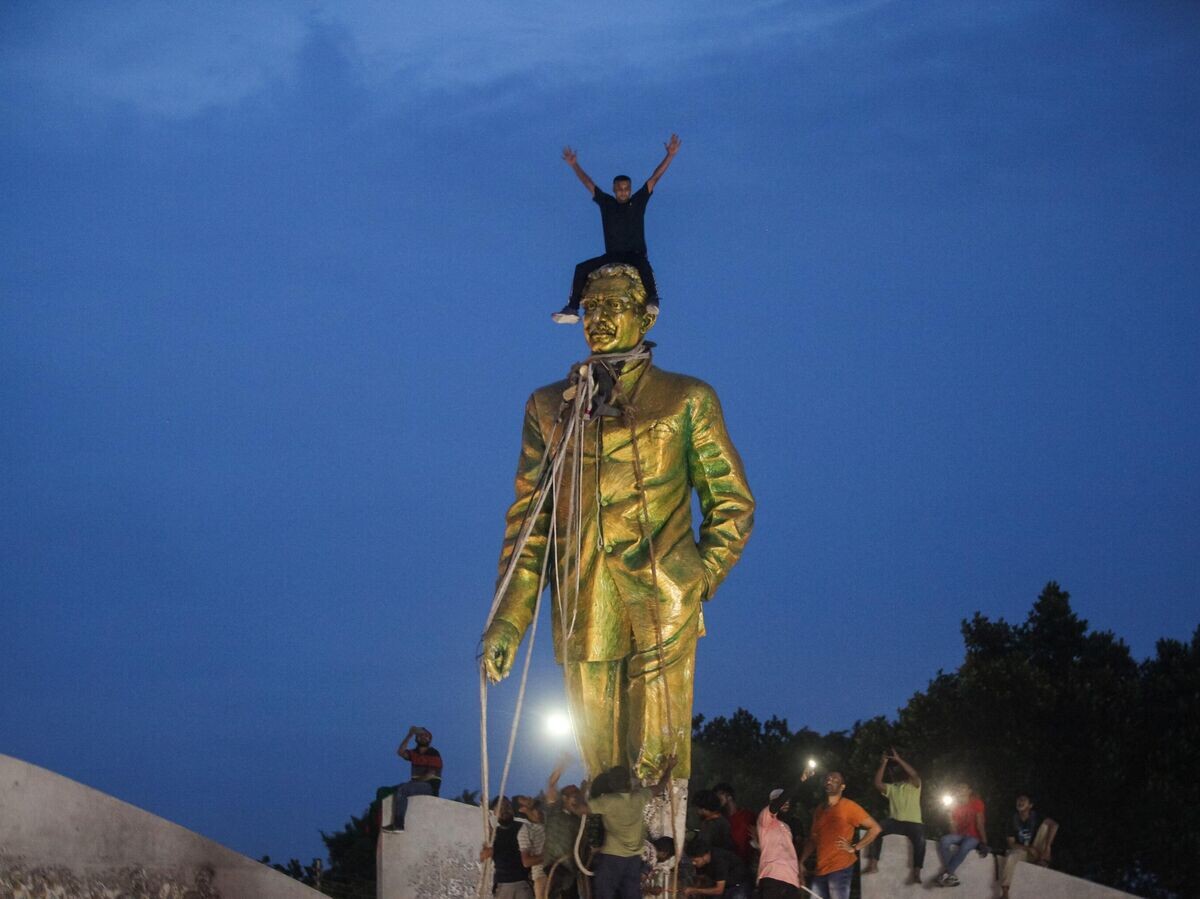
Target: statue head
[{"x": 615, "y": 318}]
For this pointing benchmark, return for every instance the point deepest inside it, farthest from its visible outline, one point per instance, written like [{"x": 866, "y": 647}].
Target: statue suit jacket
[{"x": 602, "y": 590}]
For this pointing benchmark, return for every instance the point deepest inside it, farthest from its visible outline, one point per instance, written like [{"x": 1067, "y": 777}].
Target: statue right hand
[{"x": 499, "y": 649}]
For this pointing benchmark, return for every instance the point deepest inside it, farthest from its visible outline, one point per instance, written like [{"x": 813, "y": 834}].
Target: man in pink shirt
[{"x": 778, "y": 869}]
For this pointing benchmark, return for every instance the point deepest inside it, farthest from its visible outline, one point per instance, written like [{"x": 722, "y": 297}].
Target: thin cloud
[{"x": 179, "y": 60}]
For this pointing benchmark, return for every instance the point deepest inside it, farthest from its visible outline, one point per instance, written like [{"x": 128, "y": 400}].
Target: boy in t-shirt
[
  {"x": 622, "y": 214},
  {"x": 1028, "y": 841},
  {"x": 904, "y": 812}
]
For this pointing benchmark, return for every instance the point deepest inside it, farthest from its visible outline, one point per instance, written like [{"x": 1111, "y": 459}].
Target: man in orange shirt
[{"x": 832, "y": 838}]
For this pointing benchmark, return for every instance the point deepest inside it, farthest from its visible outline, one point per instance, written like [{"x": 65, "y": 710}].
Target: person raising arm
[
  {"x": 672, "y": 147},
  {"x": 572, "y": 160}
]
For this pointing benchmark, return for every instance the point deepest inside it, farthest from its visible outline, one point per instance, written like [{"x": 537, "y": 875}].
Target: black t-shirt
[
  {"x": 624, "y": 223},
  {"x": 724, "y": 865},
  {"x": 1024, "y": 831},
  {"x": 506, "y": 855},
  {"x": 717, "y": 832}
]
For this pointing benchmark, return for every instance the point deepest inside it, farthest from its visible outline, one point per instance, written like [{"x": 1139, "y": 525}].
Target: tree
[
  {"x": 1047, "y": 707},
  {"x": 1037, "y": 708},
  {"x": 1163, "y": 765}
]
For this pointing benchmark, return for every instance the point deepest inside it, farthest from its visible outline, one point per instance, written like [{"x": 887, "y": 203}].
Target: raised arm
[
  {"x": 552, "y": 783},
  {"x": 879, "y": 784},
  {"x": 661, "y": 787},
  {"x": 402, "y": 751},
  {"x": 913, "y": 777},
  {"x": 672, "y": 148},
  {"x": 571, "y": 160}
]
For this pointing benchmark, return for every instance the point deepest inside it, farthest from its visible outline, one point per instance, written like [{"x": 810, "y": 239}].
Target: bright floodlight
[
  {"x": 558, "y": 724},
  {"x": 947, "y": 800}
]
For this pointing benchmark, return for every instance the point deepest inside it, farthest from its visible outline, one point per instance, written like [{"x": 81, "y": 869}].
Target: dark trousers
[
  {"x": 400, "y": 802},
  {"x": 618, "y": 877},
  {"x": 769, "y": 888},
  {"x": 585, "y": 268},
  {"x": 915, "y": 833},
  {"x": 564, "y": 882}
]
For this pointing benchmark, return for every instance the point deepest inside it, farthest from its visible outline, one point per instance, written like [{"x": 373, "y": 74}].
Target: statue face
[{"x": 613, "y": 321}]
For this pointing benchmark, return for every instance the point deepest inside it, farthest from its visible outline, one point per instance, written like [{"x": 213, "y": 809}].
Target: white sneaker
[{"x": 566, "y": 316}]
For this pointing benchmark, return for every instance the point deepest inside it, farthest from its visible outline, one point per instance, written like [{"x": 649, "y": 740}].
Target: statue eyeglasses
[{"x": 614, "y": 305}]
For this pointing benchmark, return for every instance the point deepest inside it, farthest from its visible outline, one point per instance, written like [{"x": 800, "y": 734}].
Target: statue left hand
[{"x": 499, "y": 649}]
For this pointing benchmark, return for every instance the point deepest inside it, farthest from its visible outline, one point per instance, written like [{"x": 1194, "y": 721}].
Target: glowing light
[
  {"x": 812, "y": 764},
  {"x": 558, "y": 724},
  {"x": 947, "y": 800}
]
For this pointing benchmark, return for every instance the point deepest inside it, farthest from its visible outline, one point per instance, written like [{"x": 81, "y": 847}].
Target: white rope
[
  {"x": 578, "y": 840},
  {"x": 488, "y": 837}
]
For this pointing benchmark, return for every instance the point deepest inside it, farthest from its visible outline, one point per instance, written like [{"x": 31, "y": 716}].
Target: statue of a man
[{"x": 626, "y": 572}]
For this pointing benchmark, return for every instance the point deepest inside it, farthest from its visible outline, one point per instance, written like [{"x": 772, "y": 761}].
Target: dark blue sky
[{"x": 275, "y": 284}]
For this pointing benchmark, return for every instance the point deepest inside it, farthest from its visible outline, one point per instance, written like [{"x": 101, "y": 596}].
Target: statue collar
[{"x": 615, "y": 377}]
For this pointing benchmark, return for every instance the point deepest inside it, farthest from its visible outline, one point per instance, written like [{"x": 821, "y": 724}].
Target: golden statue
[{"x": 609, "y": 460}]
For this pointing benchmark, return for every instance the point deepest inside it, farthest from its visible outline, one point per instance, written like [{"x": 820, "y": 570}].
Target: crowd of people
[{"x": 590, "y": 840}]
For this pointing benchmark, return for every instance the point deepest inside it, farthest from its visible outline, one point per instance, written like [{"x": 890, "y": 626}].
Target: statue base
[{"x": 658, "y": 813}]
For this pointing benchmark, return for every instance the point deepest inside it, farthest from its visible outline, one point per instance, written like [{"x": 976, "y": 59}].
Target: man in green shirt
[
  {"x": 563, "y": 811},
  {"x": 622, "y": 807},
  {"x": 904, "y": 812}
]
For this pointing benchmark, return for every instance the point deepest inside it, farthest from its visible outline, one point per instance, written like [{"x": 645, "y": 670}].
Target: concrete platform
[
  {"x": 435, "y": 856},
  {"x": 61, "y": 838},
  {"x": 978, "y": 876}
]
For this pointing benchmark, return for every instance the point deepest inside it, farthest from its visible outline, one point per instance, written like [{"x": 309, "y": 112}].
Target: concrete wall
[
  {"x": 978, "y": 876},
  {"x": 436, "y": 856},
  {"x": 60, "y": 838}
]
